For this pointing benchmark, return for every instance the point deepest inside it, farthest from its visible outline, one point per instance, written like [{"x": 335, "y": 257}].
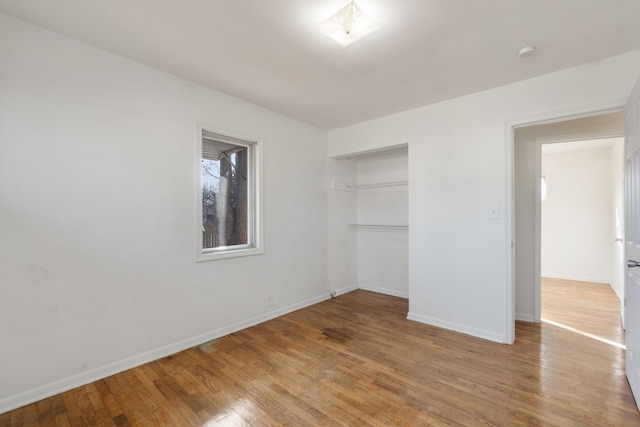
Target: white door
[{"x": 632, "y": 239}]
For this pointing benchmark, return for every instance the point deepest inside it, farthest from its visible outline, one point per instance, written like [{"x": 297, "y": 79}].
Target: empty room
[{"x": 307, "y": 212}]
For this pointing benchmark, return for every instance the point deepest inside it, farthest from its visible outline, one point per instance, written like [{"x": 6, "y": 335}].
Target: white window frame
[{"x": 254, "y": 202}]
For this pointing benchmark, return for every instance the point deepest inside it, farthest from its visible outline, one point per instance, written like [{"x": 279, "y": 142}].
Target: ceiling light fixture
[{"x": 347, "y": 25}]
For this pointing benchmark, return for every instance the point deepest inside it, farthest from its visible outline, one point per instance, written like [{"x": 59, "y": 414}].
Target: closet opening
[{"x": 372, "y": 191}]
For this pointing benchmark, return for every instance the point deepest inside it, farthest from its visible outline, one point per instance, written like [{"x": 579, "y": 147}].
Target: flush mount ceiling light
[{"x": 347, "y": 25}]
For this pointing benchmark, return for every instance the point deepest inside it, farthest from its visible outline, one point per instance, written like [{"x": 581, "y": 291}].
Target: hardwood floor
[
  {"x": 356, "y": 360},
  {"x": 592, "y": 308}
]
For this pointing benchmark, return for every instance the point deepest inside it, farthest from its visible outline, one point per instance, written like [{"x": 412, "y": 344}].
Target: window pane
[{"x": 224, "y": 169}]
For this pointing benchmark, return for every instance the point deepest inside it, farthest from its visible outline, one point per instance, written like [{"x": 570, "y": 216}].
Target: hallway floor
[{"x": 592, "y": 308}]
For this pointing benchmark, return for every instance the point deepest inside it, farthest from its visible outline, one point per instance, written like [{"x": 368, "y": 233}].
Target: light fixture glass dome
[{"x": 348, "y": 25}]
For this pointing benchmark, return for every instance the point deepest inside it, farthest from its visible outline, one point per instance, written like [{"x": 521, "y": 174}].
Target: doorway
[
  {"x": 528, "y": 142},
  {"x": 582, "y": 204}
]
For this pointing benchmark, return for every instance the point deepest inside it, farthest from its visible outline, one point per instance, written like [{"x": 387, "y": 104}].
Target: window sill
[{"x": 228, "y": 253}]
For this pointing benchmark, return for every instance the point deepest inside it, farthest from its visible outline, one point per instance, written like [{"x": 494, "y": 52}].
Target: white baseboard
[
  {"x": 525, "y": 317},
  {"x": 618, "y": 293},
  {"x": 346, "y": 290},
  {"x": 386, "y": 291},
  {"x": 456, "y": 327},
  {"x": 65, "y": 384},
  {"x": 576, "y": 278}
]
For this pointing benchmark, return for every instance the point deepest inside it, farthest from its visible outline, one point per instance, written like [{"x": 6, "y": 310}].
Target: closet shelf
[
  {"x": 377, "y": 185},
  {"x": 382, "y": 227}
]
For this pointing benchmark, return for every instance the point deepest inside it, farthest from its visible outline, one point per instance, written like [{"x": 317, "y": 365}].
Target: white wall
[
  {"x": 577, "y": 217},
  {"x": 98, "y": 174},
  {"x": 342, "y": 244},
  {"x": 460, "y": 166},
  {"x": 526, "y": 236}
]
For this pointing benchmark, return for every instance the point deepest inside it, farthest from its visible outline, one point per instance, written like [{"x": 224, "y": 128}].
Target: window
[{"x": 229, "y": 196}]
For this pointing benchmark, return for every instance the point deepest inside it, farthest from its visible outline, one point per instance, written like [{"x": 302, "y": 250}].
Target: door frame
[{"x": 510, "y": 126}]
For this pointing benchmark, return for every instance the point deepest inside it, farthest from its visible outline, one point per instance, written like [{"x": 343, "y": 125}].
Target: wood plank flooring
[
  {"x": 589, "y": 307},
  {"x": 353, "y": 361}
]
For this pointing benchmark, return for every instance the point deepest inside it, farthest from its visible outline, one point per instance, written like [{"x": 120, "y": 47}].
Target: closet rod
[
  {"x": 377, "y": 185},
  {"x": 382, "y": 227}
]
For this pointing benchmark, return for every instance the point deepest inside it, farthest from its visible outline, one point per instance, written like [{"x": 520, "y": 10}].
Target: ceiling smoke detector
[{"x": 526, "y": 51}]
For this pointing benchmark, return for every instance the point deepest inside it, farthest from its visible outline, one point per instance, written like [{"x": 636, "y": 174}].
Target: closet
[{"x": 374, "y": 200}]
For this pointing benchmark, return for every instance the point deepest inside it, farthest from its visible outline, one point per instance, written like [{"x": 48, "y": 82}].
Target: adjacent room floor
[
  {"x": 356, "y": 360},
  {"x": 589, "y": 308}
]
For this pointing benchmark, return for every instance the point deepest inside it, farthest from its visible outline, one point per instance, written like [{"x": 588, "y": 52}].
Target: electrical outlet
[{"x": 269, "y": 300}]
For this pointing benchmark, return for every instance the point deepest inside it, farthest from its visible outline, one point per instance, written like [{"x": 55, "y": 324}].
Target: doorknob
[
  {"x": 632, "y": 263},
  {"x": 619, "y": 239}
]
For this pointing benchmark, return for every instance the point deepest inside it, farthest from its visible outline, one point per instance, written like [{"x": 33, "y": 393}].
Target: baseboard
[
  {"x": 385, "y": 291},
  {"x": 618, "y": 294},
  {"x": 65, "y": 384},
  {"x": 456, "y": 327},
  {"x": 575, "y": 278},
  {"x": 346, "y": 289},
  {"x": 525, "y": 317}
]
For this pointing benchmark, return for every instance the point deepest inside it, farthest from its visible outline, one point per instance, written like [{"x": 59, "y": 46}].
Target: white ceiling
[{"x": 268, "y": 52}]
